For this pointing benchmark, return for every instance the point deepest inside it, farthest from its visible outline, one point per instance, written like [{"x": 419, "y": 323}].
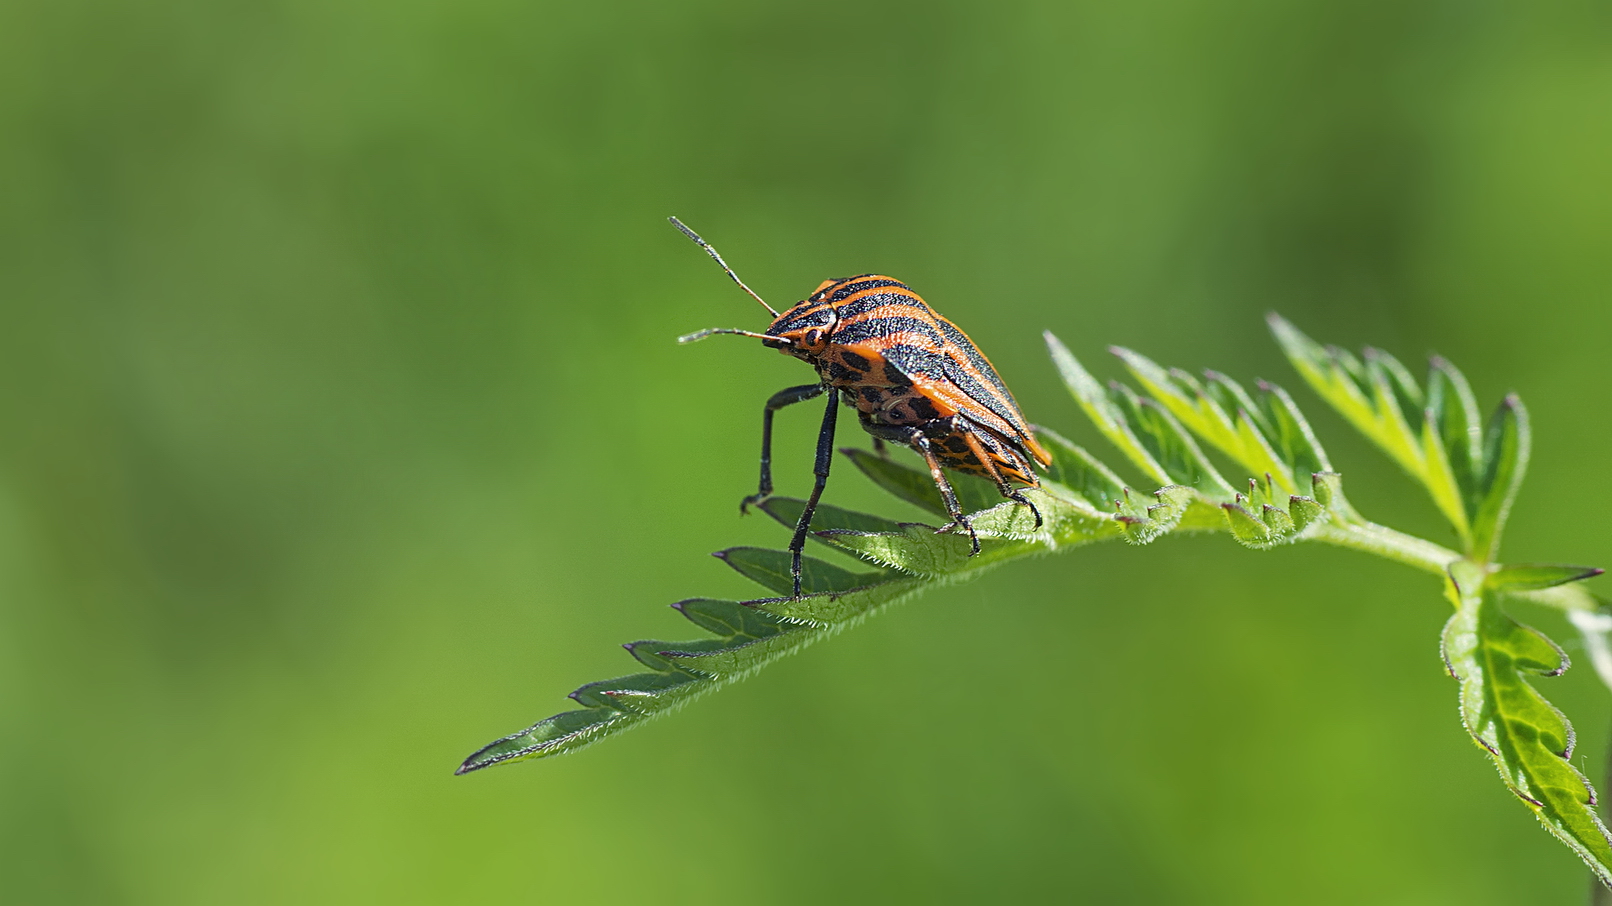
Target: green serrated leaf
[
  {"x": 1080, "y": 473},
  {"x": 1506, "y": 444},
  {"x": 1168, "y": 443},
  {"x": 787, "y": 511},
  {"x": 1529, "y": 740},
  {"x": 772, "y": 570},
  {"x": 917, "y": 487},
  {"x": 923, "y": 551},
  {"x": 1530, "y": 577},
  {"x": 1454, "y": 410},
  {"x": 1291, "y": 434},
  {"x": 1370, "y": 395},
  {"x": 1382, "y": 400},
  {"x": 1180, "y": 393},
  {"x": 1441, "y": 480},
  {"x": 1221, "y": 413},
  {"x": 1172, "y": 505},
  {"x": 1110, "y": 421},
  {"x": 1334, "y": 374},
  {"x": 1403, "y": 396}
]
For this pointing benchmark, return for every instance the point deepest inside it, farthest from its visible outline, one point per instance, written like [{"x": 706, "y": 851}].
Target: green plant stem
[{"x": 1385, "y": 542}]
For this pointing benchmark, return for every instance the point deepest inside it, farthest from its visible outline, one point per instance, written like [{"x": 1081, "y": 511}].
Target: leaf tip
[{"x": 1127, "y": 356}]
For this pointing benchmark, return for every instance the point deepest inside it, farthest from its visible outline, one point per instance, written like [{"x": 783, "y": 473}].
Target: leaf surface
[{"x": 1530, "y": 741}]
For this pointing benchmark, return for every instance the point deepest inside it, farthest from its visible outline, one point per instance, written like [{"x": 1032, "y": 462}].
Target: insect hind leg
[
  {"x": 989, "y": 462},
  {"x": 915, "y": 438}
]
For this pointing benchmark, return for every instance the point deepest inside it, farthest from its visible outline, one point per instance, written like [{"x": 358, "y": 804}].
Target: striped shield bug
[{"x": 913, "y": 377}]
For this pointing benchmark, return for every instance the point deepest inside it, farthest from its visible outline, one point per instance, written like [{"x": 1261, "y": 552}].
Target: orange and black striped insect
[{"x": 914, "y": 379}]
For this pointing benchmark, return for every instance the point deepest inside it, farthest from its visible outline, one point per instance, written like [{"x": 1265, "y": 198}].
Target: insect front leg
[
  {"x": 778, "y": 401},
  {"x": 825, "y": 458},
  {"x": 916, "y": 438}
]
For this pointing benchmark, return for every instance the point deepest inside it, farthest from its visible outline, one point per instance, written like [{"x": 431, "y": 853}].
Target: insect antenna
[
  {"x": 702, "y": 334},
  {"x": 707, "y": 246}
]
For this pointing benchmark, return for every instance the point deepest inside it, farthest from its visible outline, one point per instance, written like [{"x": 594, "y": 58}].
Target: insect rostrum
[{"x": 913, "y": 377}]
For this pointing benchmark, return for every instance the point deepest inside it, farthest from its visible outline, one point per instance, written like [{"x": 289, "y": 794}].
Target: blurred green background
[{"x": 342, "y": 430}]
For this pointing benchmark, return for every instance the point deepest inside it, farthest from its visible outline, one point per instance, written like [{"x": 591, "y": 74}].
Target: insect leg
[
  {"x": 916, "y": 438},
  {"x": 825, "y": 457},
  {"x": 778, "y": 401},
  {"x": 989, "y": 462}
]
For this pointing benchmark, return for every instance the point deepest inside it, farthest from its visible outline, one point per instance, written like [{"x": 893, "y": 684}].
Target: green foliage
[
  {"x": 1473, "y": 482},
  {"x": 1530, "y": 741},
  {"x": 1286, "y": 491}
]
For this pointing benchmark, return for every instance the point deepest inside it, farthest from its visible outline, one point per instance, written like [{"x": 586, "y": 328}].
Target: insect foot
[
  {"x": 1016, "y": 497},
  {"x": 963, "y": 523}
]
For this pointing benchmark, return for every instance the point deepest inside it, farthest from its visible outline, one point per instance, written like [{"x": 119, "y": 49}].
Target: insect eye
[{"x": 813, "y": 337}]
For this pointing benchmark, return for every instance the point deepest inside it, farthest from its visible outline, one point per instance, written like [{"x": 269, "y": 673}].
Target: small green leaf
[
  {"x": 1327, "y": 488},
  {"x": 640, "y": 693},
  {"x": 1530, "y": 577},
  {"x": 1530, "y": 741},
  {"x": 1506, "y": 444},
  {"x": 1304, "y": 511},
  {"x": 772, "y": 570},
  {"x": 565, "y": 732},
  {"x": 730, "y": 618},
  {"x": 1280, "y": 524},
  {"x": 1245, "y": 527}
]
